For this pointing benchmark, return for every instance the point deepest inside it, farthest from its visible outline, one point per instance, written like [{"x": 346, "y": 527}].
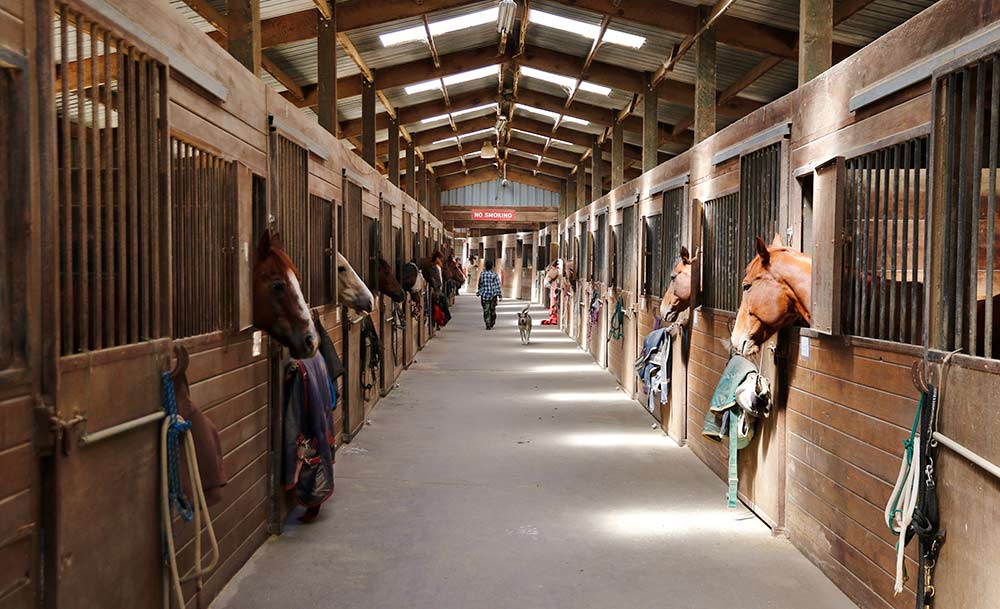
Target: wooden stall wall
[
  {"x": 843, "y": 404},
  {"x": 23, "y": 386},
  {"x": 210, "y": 107}
]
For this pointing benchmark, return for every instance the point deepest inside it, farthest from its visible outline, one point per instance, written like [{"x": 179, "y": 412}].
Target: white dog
[{"x": 524, "y": 325}]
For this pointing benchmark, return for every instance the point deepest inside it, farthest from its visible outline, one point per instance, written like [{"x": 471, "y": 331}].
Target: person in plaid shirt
[{"x": 489, "y": 294}]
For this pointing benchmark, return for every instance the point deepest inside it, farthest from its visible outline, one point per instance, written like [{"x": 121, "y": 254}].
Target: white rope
[
  {"x": 199, "y": 505},
  {"x": 907, "y": 487}
]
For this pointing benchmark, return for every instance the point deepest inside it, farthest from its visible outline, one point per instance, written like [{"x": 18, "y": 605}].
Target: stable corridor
[{"x": 503, "y": 476}]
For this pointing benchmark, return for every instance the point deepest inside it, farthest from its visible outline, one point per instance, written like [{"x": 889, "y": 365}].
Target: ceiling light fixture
[
  {"x": 488, "y": 151},
  {"x": 506, "y": 12}
]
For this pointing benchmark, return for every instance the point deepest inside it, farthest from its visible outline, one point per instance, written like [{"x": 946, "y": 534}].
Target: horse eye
[
  {"x": 278, "y": 286},
  {"x": 341, "y": 269},
  {"x": 746, "y": 287},
  {"x": 673, "y": 276}
]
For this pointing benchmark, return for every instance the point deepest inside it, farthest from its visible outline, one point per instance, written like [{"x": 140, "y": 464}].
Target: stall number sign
[{"x": 495, "y": 215}]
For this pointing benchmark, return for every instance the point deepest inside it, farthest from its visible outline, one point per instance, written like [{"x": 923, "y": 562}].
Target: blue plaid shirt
[{"x": 489, "y": 285}]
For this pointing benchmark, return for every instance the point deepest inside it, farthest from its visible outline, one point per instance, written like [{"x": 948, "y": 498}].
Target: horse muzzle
[{"x": 304, "y": 345}]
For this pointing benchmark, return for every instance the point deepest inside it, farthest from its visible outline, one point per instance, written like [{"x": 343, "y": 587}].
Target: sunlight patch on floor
[
  {"x": 642, "y": 439},
  {"x": 681, "y": 522},
  {"x": 591, "y": 396}
]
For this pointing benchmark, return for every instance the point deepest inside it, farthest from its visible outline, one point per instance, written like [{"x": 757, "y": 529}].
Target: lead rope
[
  {"x": 615, "y": 332},
  {"x": 175, "y": 428}
]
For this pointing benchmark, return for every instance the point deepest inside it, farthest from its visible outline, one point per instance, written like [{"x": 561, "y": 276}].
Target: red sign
[{"x": 495, "y": 215}]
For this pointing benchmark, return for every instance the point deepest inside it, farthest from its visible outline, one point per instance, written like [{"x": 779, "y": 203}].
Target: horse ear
[
  {"x": 264, "y": 245},
  {"x": 765, "y": 256},
  {"x": 685, "y": 255},
  {"x": 776, "y": 242},
  {"x": 276, "y": 242}
]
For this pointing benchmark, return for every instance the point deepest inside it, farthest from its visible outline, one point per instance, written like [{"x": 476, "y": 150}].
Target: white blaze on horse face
[
  {"x": 300, "y": 299},
  {"x": 352, "y": 292}
]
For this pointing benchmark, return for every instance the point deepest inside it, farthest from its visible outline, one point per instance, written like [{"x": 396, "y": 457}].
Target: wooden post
[
  {"x": 704, "y": 86},
  {"x": 815, "y": 38},
  {"x": 394, "y": 151},
  {"x": 595, "y": 170},
  {"x": 423, "y": 184},
  {"x": 411, "y": 170},
  {"x": 368, "y": 122},
  {"x": 243, "y": 33},
  {"x": 581, "y": 185},
  {"x": 327, "y": 56},
  {"x": 650, "y": 126},
  {"x": 617, "y": 153}
]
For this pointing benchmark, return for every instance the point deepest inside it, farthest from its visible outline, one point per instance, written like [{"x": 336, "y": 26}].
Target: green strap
[
  {"x": 734, "y": 476},
  {"x": 908, "y": 459},
  {"x": 617, "y": 322}
]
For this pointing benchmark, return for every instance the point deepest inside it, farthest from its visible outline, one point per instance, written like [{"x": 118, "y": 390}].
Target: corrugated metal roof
[
  {"x": 489, "y": 194},
  {"x": 299, "y": 60}
]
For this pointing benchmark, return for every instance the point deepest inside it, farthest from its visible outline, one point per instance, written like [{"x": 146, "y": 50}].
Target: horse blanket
[{"x": 310, "y": 398}]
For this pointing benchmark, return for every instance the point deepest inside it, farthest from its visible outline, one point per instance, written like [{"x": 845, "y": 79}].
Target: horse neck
[{"x": 795, "y": 270}]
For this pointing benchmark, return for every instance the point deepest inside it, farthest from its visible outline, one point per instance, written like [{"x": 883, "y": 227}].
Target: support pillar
[
  {"x": 243, "y": 33},
  {"x": 368, "y": 121},
  {"x": 704, "y": 86},
  {"x": 411, "y": 170},
  {"x": 327, "y": 60},
  {"x": 617, "y": 154},
  {"x": 423, "y": 184},
  {"x": 815, "y": 38},
  {"x": 581, "y": 186},
  {"x": 650, "y": 124},
  {"x": 595, "y": 168},
  {"x": 393, "y": 165}
]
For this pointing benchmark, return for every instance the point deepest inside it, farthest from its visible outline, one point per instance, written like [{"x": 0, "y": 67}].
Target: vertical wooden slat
[
  {"x": 66, "y": 192},
  {"x": 917, "y": 163},
  {"x": 108, "y": 198},
  {"x": 865, "y": 280},
  {"x": 906, "y": 306},
  {"x": 132, "y": 166},
  {"x": 991, "y": 200},
  {"x": 948, "y": 279},
  {"x": 977, "y": 164},
  {"x": 121, "y": 224},
  {"x": 962, "y": 227},
  {"x": 82, "y": 235},
  {"x": 96, "y": 280},
  {"x": 155, "y": 170}
]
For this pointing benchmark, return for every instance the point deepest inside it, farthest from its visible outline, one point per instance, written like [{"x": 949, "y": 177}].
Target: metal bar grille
[
  {"x": 369, "y": 271},
  {"x": 321, "y": 249},
  {"x": 508, "y": 259},
  {"x": 614, "y": 264},
  {"x": 673, "y": 224},
  {"x": 721, "y": 274},
  {"x": 351, "y": 246},
  {"x": 582, "y": 255},
  {"x": 884, "y": 210},
  {"x": 627, "y": 267},
  {"x": 970, "y": 98},
  {"x": 652, "y": 257},
  {"x": 290, "y": 202},
  {"x": 760, "y": 198},
  {"x": 112, "y": 134},
  {"x": 13, "y": 219},
  {"x": 204, "y": 233},
  {"x": 599, "y": 269}
]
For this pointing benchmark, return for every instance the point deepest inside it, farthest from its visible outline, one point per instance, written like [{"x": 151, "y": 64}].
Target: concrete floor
[{"x": 502, "y": 476}]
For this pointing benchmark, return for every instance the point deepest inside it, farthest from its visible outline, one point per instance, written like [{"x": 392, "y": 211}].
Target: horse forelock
[{"x": 279, "y": 262}]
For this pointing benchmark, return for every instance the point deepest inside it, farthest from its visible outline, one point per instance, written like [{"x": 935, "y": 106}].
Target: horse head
[
  {"x": 431, "y": 270},
  {"x": 677, "y": 297},
  {"x": 387, "y": 283},
  {"x": 776, "y": 294},
  {"x": 411, "y": 279},
  {"x": 562, "y": 270},
  {"x": 453, "y": 271},
  {"x": 351, "y": 291},
  {"x": 279, "y": 308}
]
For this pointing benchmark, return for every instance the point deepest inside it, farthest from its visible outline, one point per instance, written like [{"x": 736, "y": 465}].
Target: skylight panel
[
  {"x": 457, "y": 113},
  {"x": 598, "y": 89},
  {"x": 454, "y": 139},
  {"x": 475, "y": 133},
  {"x": 564, "y": 81},
  {"x": 553, "y": 115},
  {"x": 454, "y": 79},
  {"x": 417, "y": 33},
  {"x": 586, "y": 30}
]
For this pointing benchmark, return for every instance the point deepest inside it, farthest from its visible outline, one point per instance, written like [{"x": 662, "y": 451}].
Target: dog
[{"x": 524, "y": 326}]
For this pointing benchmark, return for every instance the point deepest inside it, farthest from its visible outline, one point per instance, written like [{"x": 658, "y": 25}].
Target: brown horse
[
  {"x": 452, "y": 271},
  {"x": 351, "y": 290},
  {"x": 677, "y": 298},
  {"x": 387, "y": 283},
  {"x": 777, "y": 291},
  {"x": 562, "y": 270},
  {"x": 431, "y": 270},
  {"x": 411, "y": 279},
  {"x": 279, "y": 308}
]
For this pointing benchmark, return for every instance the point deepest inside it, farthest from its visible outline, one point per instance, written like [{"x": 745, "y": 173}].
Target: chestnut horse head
[
  {"x": 430, "y": 268},
  {"x": 561, "y": 270},
  {"x": 279, "y": 308},
  {"x": 452, "y": 270},
  {"x": 777, "y": 293},
  {"x": 677, "y": 297},
  {"x": 351, "y": 290},
  {"x": 387, "y": 283}
]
